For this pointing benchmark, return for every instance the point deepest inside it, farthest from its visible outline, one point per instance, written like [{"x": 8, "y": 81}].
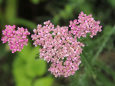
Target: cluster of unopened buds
[{"x": 59, "y": 45}]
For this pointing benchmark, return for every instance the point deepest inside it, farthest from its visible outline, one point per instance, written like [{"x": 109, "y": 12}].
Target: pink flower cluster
[
  {"x": 85, "y": 24},
  {"x": 58, "y": 45},
  {"x": 59, "y": 48},
  {"x": 16, "y": 38}
]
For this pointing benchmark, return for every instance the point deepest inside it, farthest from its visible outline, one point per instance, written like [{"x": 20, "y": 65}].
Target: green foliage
[
  {"x": 3, "y": 51},
  {"x": 69, "y": 8},
  {"x": 11, "y": 10},
  {"x": 47, "y": 81},
  {"x": 35, "y": 1},
  {"x": 1, "y": 1},
  {"x": 26, "y": 67},
  {"x": 92, "y": 66},
  {"x": 112, "y": 3}
]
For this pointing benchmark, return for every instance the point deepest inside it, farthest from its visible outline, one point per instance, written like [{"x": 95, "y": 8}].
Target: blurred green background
[{"x": 26, "y": 69}]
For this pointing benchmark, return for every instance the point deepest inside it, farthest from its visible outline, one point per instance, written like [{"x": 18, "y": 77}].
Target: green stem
[
  {"x": 11, "y": 10},
  {"x": 103, "y": 44},
  {"x": 88, "y": 65},
  {"x": 26, "y": 23}
]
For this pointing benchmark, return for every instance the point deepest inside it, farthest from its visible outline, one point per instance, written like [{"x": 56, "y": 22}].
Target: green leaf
[
  {"x": 19, "y": 72},
  {"x": 26, "y": 67},
  {"x": 36, "y": 68},
  {"x": 112, "y": 2},
  {"x": 47, "y": 81},
  {"x": 28, "y": 52},
  {"x": 33, "y": 66},
  {"x": 24, "y": 82},
  {"x": 35, "y": 1}
]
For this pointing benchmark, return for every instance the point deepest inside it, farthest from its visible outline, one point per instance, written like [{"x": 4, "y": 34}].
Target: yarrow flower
[
  {"x": 83, "y": 25},
  {"x": 16, "y": 38},
  {"x": 59, "y": 45},
  {"x": 59, "y": 48}
]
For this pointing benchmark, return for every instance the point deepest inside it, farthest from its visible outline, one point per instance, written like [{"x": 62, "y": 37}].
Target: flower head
[
  {"x": 59, "y": 48},
  {"x": 16, "y": 38},
  {"x": 85, "y": 24}
]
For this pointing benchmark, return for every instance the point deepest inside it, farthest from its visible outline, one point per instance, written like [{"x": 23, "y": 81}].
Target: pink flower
[
  {"x": 66, "y": 68},
  {"x": 85, "y": 24},
  {"x": 59, "y": 48},
  {"x": 16, "y": 38}
]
